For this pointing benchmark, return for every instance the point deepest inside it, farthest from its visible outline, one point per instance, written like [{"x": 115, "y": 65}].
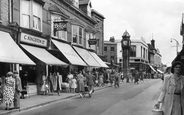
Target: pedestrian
[
  {"x": 18, "y": 89},
  {"x": 116, "y": 79},
  {"x": 9, "y": 90},
  {"x": 90, "y": 82},
  {"x": 59, "y": 82},
  {"x": 43, "y": 83},
  {"x": 73, "y": 85},
  {"x": 80, "y": 80},
  {"x": 172, "y": 93},
  {"x": 69, "y": 80},
  {"x": 136, "y": 77},
  {"x": 24, "y": 84}
]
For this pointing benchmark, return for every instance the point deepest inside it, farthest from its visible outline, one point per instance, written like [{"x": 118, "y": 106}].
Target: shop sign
[
  {"x": 60, "y": 26},
  {"x": 92, "y": 41},
  {"x": 30, "y": 39}
]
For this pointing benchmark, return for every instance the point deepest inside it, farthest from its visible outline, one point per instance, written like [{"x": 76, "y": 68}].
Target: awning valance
[
  {"x": 98, "y": 60},
  {"x": 10, "y": 52},
  {"x": 85, "y": 55},
  {"x": 69, "y": 53},
  {"x": 152, "y": 68},
  {"x": 43, "y": 55},
  {"x": 160, "y": 71}
]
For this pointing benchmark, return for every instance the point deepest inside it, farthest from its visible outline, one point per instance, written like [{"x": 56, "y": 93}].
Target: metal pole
[{"x": 177, "y": 44}]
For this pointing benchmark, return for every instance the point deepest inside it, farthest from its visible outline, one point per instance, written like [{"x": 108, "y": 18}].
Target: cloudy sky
[{"x": 160, "y": 19}]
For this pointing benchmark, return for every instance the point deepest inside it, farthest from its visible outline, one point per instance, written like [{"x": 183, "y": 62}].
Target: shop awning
[
  {"x": 160, "y": 71},
  {"x": 43, "y": 55},
  {"x": 69, "y": 53},
  {"x": 152, "y": 68},
  {"x": 98, "y": 60},
  {"x": 85, "y": 55},
  {"x": 10, "y": 52}
]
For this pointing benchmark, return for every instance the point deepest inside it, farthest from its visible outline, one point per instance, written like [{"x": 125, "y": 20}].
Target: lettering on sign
[
  {"x": 60, "y": 26},
  {"x": 92, "y": 41},
  {"x": 26, "y": 38}
]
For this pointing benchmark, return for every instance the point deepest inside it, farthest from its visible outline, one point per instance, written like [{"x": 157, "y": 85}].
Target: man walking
[{"x": 18, "y": 89}]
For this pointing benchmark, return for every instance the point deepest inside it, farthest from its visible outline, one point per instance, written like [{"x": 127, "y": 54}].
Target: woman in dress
[
  {"x": 80, "y": 79},
  {"x": 9, "y": 90},
  {"x": 43, "y": 87},
  {"x": 172, "y": 93}
]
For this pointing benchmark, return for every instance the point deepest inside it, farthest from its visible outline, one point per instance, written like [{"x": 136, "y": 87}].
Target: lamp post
[{"x": 177, "y": 44}]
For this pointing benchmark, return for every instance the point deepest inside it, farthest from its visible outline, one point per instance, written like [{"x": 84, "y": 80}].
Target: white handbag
[{"x": 157, "y": 112}]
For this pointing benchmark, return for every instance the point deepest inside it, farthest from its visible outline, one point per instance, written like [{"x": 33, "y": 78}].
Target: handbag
[{"x": 157, "y": 112}]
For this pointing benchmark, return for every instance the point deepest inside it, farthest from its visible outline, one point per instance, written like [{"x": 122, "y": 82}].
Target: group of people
[{"x": 11, "y": 88}]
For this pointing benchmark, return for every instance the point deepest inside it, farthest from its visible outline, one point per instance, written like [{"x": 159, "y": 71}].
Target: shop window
[
  {"x": 60, "y": 34},
  {"x": 77, "y": 35},
  {"x": 31, "y": 14}
]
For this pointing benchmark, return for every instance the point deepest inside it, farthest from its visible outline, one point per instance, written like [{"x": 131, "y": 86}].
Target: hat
[
  {"x": 16, "y": 72},
  {"x": 9, "y": 73}
]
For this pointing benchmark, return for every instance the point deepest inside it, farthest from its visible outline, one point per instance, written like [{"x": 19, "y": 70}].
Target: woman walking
[
  {"x": 9, "y": 90},
  {"x": 80, "y": 79},
  {"x": 172, "y": 93}
]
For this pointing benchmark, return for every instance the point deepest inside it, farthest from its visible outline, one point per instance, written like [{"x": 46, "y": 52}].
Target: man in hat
[{"x": 18, "y": 89}]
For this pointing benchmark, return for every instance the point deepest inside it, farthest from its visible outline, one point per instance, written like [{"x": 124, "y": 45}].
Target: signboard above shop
[
  {"x": 30, "y": 39},
  {"x": 92, "y": 41},
  {"x": 60, "y": 26}
]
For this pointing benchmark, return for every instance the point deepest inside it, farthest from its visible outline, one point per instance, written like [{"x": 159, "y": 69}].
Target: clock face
[{"x": 125, "y": 42}]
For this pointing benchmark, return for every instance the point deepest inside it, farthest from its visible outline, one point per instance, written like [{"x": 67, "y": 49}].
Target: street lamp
[{"x": 177, "y": 44}]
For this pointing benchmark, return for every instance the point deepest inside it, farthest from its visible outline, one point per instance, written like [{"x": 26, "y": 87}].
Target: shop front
[
  {"x": 35, "y": 47},
  {"x": 69, "y": 54},
  {"x": 11, "y": 54},
  {"x": 87, "y": 57},
  {"x": 95, "y": 56}
]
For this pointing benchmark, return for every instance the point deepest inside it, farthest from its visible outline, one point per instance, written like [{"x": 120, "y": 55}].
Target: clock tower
[{"x": 125, "y": 44}]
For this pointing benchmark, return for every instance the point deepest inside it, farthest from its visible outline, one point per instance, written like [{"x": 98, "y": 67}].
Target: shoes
[{"x": 81, "y": 95}]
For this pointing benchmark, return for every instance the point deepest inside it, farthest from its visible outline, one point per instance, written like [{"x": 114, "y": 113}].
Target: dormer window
[
  {"x": 76, "y": 3},
  {"x": 89, "y": 10}
]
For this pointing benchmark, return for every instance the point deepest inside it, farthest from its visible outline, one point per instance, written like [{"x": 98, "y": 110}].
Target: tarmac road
[{"x": 129, "y": 99}]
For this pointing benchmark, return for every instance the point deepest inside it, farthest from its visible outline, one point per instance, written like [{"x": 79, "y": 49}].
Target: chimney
[
  {"x": 153, "y": 43},
  {"x": 112, "y": 39}
]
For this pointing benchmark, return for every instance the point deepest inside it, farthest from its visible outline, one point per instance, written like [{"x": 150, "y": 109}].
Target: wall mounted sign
[
  {"x": 92, "y": 41},
  {"x": 30, "y": 39},
  {"x": 60, "y": 26}
]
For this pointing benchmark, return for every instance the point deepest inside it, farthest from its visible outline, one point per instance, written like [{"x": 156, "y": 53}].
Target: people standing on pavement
[
  {"x": 80, "y": 80},
  {"x": 18, "y": 89},
  {"x": 9, "y": 90},
  {"x": 43, "y": 83},
  {"x": 172, "y": 93},
  {"x": 24, "y": 84},
  {"x": 90, "y": 82},
  {"x": 69, "y": 80},
  {"x": 73, "y": 85},
  {"x": 59, "y": 82},
  {"x": 100, "y": 80}
]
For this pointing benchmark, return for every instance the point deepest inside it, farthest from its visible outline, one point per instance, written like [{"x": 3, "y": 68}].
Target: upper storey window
[
  {"x": 77, "y": 35},
  {"x": 31, "y": 14},
  {"x": 76, "y": 3},
  {"x": 57, "y": 22}
]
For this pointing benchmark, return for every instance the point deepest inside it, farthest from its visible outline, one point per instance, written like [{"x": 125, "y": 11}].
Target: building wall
[{"x": 110, "y": 53}]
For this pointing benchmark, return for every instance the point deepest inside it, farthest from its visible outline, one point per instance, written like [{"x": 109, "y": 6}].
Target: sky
[{"x": 151, "y": 19}]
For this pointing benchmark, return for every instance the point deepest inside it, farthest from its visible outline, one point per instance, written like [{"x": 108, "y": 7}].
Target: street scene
[{"x": 91, "y": 57}]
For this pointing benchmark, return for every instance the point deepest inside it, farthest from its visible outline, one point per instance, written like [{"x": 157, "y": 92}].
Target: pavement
[{"x": 40, "y": 100}]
